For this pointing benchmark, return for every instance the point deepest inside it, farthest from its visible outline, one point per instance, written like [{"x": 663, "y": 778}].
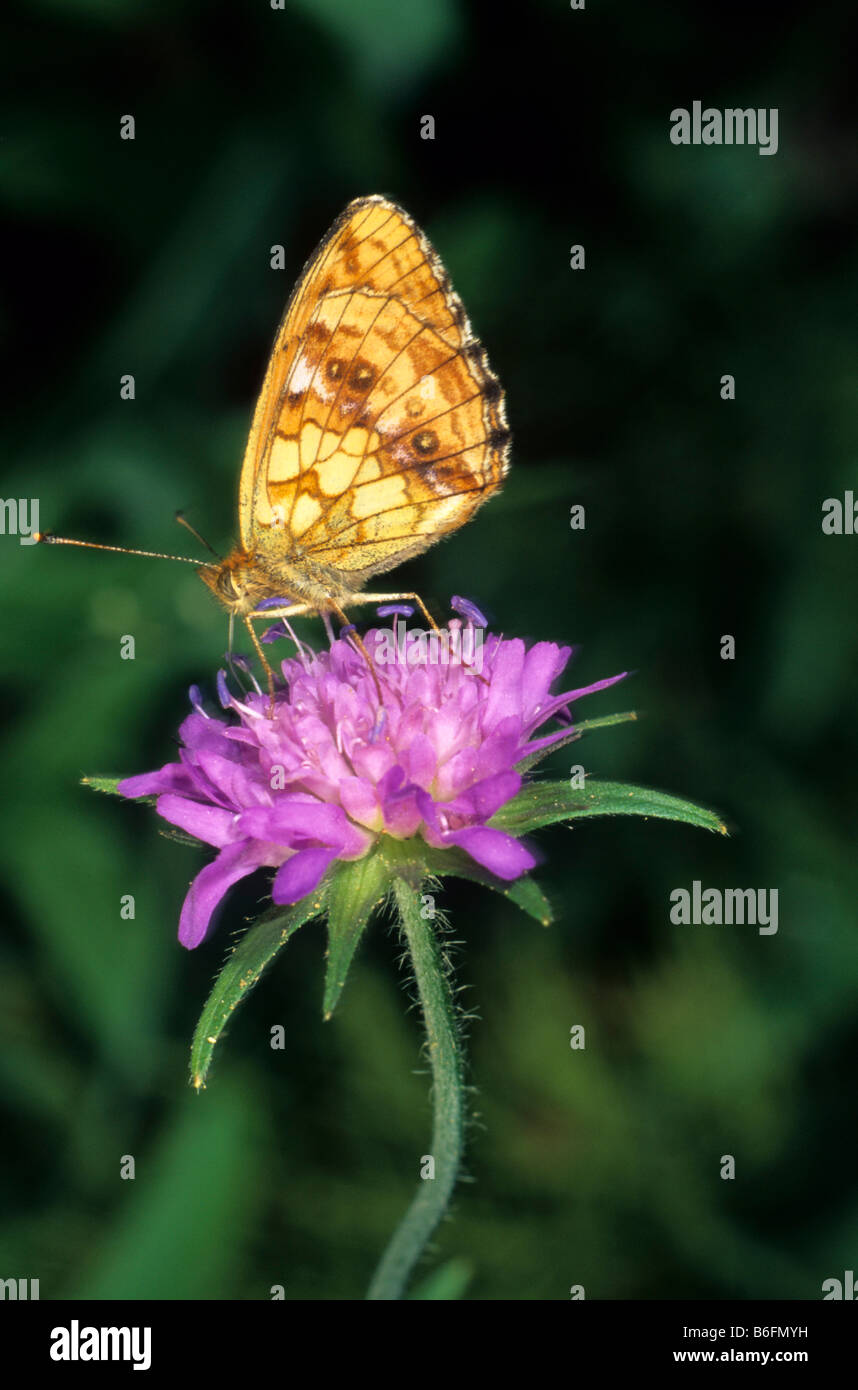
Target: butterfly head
[{"x": 234, "y": 582}]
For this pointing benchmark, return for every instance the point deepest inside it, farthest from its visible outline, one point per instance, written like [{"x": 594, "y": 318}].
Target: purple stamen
[
  {"x": 242, "y": 663},
  {"x": 468, "y": 610},
  {"x": 378, "y": 726},
  {"x": 272, "y": 603},
  {"x": 196, "y": 698},
  {"x": 223, "y": 690},
  {"x": 388, "y": 610},
  {"x": 272, "y": 633}
]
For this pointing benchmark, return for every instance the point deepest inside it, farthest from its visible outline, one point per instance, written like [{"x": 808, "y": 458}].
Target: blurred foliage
[{"x": 255, "y": 127}]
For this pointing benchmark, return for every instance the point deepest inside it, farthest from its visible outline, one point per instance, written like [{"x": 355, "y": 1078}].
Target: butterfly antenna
[
  {"x": 183, "y": 521},
  {"x": 48, "y": 538}
]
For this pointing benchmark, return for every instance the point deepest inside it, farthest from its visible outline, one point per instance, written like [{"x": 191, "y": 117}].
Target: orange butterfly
[{"x": 379, "y": 428}]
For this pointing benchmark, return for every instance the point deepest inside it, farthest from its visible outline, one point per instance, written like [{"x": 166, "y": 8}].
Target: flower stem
[{"x": 446, "y": 1058}]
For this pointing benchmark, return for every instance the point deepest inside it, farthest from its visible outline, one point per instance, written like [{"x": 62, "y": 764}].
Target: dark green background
[{"x": 703, "y": 518}]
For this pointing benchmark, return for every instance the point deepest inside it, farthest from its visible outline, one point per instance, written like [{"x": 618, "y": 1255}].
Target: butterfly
[{"x": 379, "y": 428}]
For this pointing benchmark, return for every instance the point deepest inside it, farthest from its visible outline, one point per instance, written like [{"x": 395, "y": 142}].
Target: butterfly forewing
[
  {"x": 374, "y": 244},
  {"x": 386, "y": 424}
]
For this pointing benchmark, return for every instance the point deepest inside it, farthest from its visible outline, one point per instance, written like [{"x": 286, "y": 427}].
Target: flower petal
[
  {"x": 300, "y": 874},
  {"x": 498, "y": 852},
  {"x": 359, "y": 800},
  {"x": 484, "y": 798},
  {"x": 211, "y": 883},
  {"x": 420, "y": 761},
  {"x": 559, "y": 702},
  {"x": 199, "y": 731},
  {"x": 173, "y": 777},
  {"x": 296, "y": 823},
  {"x": 240, "y": 783},
  {"x": 542, "y": 665},
  {"x": 210, "y": 823}
]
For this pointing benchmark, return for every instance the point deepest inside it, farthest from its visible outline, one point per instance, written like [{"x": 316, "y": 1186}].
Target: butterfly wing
[{"x": 380, "y": 426}]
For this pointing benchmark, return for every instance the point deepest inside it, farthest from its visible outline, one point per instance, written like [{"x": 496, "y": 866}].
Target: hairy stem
[{"x": 445, "y": 1055}]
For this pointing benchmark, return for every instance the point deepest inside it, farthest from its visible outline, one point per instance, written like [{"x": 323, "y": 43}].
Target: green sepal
[
  {"x": 242, "y": 970},
  {"x": 109, "y": 785},
  {"x": 545, "y": 803},
  {"x": 181, "y": 837},
  {"x": 354, "y": 890},
  {"x": 524, "y": 892}
]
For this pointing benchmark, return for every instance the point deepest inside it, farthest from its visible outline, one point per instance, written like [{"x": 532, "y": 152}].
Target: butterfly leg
[
  {"x": 409, "y": 598},
  {"x": 397, "y": 598},
  {"x": 304, "y": 610},
  {"x": 295, "y": 610},
  {"x": 357, "y": 641}
]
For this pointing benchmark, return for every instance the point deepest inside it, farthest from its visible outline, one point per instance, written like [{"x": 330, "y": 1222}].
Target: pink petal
[
  {"x": 210, "y": 823},
  {"x": 211, "y": 883},
  {"x": 498, "y": 852},
  {"x": 300, "y": 874}
]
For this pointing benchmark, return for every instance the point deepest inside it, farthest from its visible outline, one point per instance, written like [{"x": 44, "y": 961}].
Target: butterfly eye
[{"x": 227, "y": 587}]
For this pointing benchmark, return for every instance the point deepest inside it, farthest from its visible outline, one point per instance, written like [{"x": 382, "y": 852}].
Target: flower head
[{"x": 410, "y": 747}]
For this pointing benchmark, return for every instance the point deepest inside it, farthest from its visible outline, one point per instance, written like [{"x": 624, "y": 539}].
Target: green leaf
[
  {"x": 544, "y": 803},
  {"x": 524, "y": 892},
  {"x": 243, "y": 967},
  {"x": 354, "y": 890},
  {"x": 585, "y": 727}
]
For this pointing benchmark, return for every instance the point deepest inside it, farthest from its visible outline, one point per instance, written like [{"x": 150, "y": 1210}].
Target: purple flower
[{"x": 337, "y": 767}]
